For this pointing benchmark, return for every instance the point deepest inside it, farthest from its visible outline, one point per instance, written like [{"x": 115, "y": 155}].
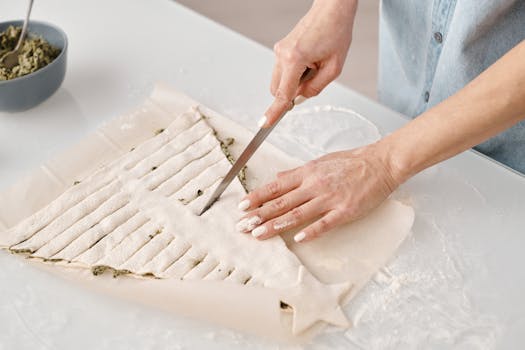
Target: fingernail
[
  {"x": 245, "y": 204},
  {"x": 241, "y": 225},
  {"x": 253, "y": 221},
  {"x": 261, "y": 230},
  {"x": 299, "y": 99},
  {"x": 248, "y": 224},
  {"x": 299, "y": 237},
  {"x": 262, "y": 121}
]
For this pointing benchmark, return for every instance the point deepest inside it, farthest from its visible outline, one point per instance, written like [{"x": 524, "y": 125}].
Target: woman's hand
[
  {"x": 332, "y": 190},
  {"x": 320, "y": 40}
]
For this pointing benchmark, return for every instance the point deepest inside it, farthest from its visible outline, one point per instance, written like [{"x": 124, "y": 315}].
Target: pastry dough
[
  {"x": 131, "y": 209},
  {"x": 138, "y": 216}
]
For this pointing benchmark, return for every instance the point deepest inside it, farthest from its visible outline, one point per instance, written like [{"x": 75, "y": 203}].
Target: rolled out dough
[{"x": 135, "y": 214}]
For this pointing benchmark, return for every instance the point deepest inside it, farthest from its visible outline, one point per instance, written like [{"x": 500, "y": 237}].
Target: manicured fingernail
[
  {"x": 261, "y": 230},
  {"x": 241, "y": 225},
  {"x": 255, "y": 220},
  {"x": 245, "y": 204},
  {"x": 252, "y": 222},
  {"x": 262, "y": 121},
  {"x": 299, "y": 99},
  {"x": 248, "y": 224},
  {"x": 299, "y": 237}
]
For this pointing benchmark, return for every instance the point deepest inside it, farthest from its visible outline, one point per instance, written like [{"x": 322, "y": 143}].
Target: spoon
[{"x": 10, "y": 59}]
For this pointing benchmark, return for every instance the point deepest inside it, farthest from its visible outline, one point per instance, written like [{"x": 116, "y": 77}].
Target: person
[{"x": 459, "y": 66}]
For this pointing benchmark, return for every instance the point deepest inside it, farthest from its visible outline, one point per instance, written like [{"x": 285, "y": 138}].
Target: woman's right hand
[{"x": 320, "y": 40}]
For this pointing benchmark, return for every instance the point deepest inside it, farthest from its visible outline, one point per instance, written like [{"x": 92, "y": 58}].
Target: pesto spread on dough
[
  {"x": 225, "y": 149},
  {"x": 225, "y": 144},
  {"x": 35, "y": 53}
]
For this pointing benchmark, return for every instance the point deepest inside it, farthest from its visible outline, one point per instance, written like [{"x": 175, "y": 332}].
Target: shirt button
[
  {"x": 427, "y": 96},
  {"x": 438, "y": 37}
]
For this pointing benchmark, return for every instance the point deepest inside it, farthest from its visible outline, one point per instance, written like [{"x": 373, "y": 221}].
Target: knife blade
[{"x": 251, "y": 148}]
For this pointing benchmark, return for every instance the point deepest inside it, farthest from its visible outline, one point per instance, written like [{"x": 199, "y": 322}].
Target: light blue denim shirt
[{"x": 430, "y": 49}]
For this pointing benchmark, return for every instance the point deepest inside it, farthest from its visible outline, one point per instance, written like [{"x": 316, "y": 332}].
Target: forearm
[
  {"x": 334, "y": 20},
  {"x": 337, "y": 15},
  {"x": 491, "y": 103},
  {"x": 346, "y": 5}
]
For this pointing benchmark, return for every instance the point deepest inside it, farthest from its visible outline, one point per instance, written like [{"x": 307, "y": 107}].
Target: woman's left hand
[{"x": 330, "y": 191}]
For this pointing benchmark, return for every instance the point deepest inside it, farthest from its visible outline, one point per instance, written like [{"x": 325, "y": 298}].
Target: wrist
[{"x": 395, "y": 160}]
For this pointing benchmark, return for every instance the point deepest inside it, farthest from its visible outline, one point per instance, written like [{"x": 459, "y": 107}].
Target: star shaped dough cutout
[{"x": 313, "y": 301}]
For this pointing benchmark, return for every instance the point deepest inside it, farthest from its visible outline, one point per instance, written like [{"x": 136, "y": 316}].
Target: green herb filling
[{"x": 35, "y": 53}]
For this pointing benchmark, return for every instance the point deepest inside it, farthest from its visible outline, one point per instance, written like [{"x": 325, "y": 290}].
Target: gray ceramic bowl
[{"x": 30, "y": 90}]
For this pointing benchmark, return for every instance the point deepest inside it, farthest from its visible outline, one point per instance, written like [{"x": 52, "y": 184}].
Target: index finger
[
  {"x": 286, "y": 92},
  {"x": 270, "y": 191}
]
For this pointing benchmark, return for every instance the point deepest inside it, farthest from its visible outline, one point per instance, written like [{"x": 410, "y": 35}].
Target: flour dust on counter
[{"x": 424, "y": 299}]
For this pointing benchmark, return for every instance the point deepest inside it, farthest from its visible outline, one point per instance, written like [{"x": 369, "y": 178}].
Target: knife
[{"x": 252, "y": 147}]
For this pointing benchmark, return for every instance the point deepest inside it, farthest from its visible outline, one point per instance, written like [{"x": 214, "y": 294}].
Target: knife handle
[{"x": 308, "y": 74}]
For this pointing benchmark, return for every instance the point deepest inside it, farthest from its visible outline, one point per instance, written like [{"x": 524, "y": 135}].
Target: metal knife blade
[
  {"x": 239, "y": 164},
  {"x": 249, "y": 151}
]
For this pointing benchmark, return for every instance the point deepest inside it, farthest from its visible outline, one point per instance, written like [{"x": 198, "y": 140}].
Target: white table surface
[{"x": 457, "y": 282}]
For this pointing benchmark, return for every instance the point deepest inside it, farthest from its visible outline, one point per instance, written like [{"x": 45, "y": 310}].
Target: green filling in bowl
[{"x": 35, "y": 53}]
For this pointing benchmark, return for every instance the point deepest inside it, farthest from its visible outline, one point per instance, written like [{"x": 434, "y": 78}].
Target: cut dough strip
[
  {"x": 68, "y": 218},
  {"x": 166, "y": 257},
  {"x": 107, "y": 243},
  {"x": 178, "y": 126},
  {"x": 40, "y": 220},
  {"x": 176, "y": 146},
  {"x": 196, "y": 186},
  {"x": 147, "y": 252},
  {"x": 185, "y": 263},
  {"x": 89, "y": 221},
  {"x": 200, "y": 153},
  {"x": 202, "y": 269},
  {"x": 129, "y": 245},
  {"x": 82, "y": 243}
]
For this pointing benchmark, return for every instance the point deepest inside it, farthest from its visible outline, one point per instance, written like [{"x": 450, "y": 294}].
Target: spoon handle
[{"x": 24, "y": 28}]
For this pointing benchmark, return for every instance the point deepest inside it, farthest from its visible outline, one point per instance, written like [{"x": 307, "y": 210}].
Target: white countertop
[{"x": 456, "y": 282}]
